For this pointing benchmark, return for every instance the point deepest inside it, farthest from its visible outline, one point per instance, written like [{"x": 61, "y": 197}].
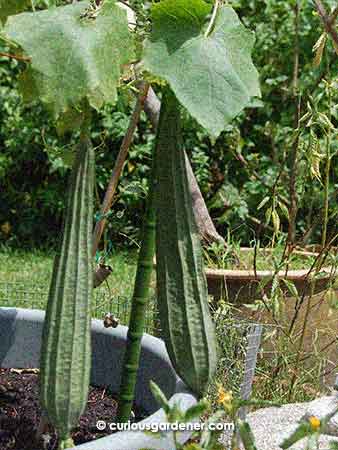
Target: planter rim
[
  {"x": 298, "y": 274},
  {"x": 121, "y": 440},
  {"x": 250, "y": 274}
]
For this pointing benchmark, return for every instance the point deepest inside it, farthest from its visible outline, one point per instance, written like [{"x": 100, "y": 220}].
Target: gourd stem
[
  {"x": 66, "y": 443},
  {"x": 138, "y": 309},
  {"x": 213, "y": 18}
]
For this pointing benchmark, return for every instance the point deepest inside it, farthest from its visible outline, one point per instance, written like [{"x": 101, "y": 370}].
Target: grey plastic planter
[{"x": 20, "y": 340}]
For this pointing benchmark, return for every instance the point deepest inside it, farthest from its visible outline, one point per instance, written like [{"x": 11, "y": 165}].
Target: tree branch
[
  {"x": 205, "y": 225},
  {"x": 328, "y": 21}
]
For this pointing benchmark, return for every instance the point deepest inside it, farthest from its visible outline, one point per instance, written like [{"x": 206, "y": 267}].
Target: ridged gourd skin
[
  {"x": 182, "y": 288},
  {"x": 66, "y": 341}
]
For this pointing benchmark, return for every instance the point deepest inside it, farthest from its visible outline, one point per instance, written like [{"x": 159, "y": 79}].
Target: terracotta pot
[{"x": 242, "y": 286}]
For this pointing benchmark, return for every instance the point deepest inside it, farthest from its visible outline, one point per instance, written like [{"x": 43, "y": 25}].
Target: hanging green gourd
[
  {"x": 182, "y": 290},
  {"x": 65, "y": 354}
]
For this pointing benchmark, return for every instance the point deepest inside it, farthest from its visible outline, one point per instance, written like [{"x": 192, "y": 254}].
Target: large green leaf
[
  {"x": 10, "y": 7},
  {"x": 73, "y": 57},
  {"x": 213, "y": 76}
]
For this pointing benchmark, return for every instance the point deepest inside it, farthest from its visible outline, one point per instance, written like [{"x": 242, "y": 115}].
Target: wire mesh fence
[
  {"x": 254, "y": 336},
  {"x": 239, "y": 344},
  {"x": 239, "y": 340},
  {"x": 25, "y": 295}
]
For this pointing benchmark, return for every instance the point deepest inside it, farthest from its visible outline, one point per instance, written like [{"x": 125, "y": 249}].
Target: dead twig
[{"x": 16, "y": 57}]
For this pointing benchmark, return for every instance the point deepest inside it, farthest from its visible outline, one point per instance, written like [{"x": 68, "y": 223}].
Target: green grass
[
  {"x": 25, "y": 278},
  {"x": 24, "y": 282},
  {"x": 233, "y": 257},
  {"x": 35, "y": 267}
]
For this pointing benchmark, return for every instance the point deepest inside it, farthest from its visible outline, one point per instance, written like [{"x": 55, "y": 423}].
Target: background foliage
[{"x": 235, "y": 172}]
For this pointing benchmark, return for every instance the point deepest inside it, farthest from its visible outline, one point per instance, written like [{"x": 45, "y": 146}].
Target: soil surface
[{"x": 20, "y": 413}]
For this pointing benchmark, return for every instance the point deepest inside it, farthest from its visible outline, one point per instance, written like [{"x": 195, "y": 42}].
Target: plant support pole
[
  {"x": 138, "y": 309},
  {"x": 119, "y": 163}
]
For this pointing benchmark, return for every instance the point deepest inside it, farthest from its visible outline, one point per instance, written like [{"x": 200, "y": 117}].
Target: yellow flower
[
  {"x": 225, "y": 398},
  {"x": 315, "y": 423},
  {"x": 6, "y": 228}
]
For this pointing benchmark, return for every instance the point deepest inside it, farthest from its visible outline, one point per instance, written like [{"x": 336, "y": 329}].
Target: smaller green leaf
[
  {"x": 305, "y": 117},
  {"x": 210, "y": 438},
  {"x": 175, "y": 414},
  {"x": 12, "y": 7},
  {"x": 66, "y": 155},
  {"x": 263, "y": 202},
  {"x": 255, "y": 102},
  {"x": 28, "y": 86},
  {"x": 318, "y": 48},
  {"x": 268, "y": 214},
  {"x": 259, "y": 403},
  {"x": 275, "y": 221},
  {"x": 325, "y": 121},
  {"x": 196, "y": 410},
  {"x": 160, "y": 397},
  {"x": 193, "y": 446},
  {"x": 263, "y": 283},
  {"x": 303, "y": 430},
  {"x": 291, "y": 288},
  {"x": 71, "y": 120},
  {"x": 67, "y": 443},
  {"x": 153, "y": 434},
  {"x": 246, "y": 435},
  {"x": 284, "y": 209},
  {"x": 319, "y": 275},
  {"x": 274, "y": 284}
]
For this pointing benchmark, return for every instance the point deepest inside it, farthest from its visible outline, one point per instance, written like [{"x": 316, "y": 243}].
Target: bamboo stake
[{"x": 119, "y": 163}]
